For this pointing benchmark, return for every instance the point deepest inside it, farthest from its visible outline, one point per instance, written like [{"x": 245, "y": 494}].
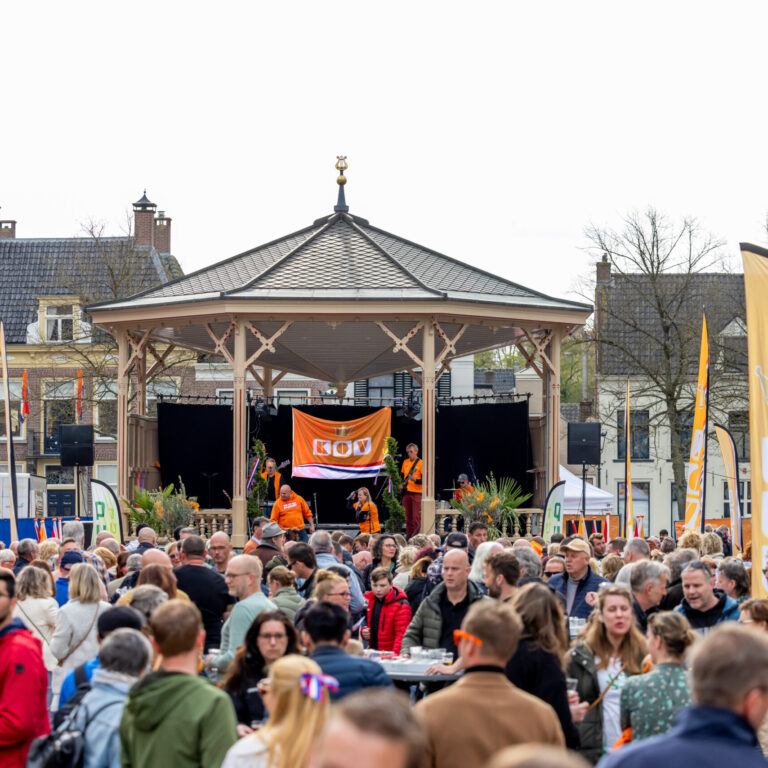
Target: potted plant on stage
[
  {"x": 395, "y": 522},
  {"x": 164, "y": 509},
  {"x": 257, "y": 484},
  {"x": 494, "y": 502}
]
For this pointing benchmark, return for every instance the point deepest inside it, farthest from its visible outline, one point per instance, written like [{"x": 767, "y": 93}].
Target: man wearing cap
[
  {"x": 68, "y": 559},
  {"x": 578, "y": 579},
  {"x": 291, "y": 511},
  {"x": 272, "y": 543}
]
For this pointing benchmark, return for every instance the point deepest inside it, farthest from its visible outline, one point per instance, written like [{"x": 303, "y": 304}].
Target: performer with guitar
[
  {"x": 411, "y": 490},
  {"x": 274, "y": 480}
]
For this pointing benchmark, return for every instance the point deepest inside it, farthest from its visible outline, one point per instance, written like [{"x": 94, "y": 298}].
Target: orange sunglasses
[{"x": 460, "y": 634}]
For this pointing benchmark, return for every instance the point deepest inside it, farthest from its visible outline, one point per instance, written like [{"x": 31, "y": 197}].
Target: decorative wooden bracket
[
  {"x": 221, "y": 343},
  {"x": 159, "y": 359},
  {"x": 137, "y": 348},
  {"x": 536, "y": 355},
  {"x": 401, "y": 345},
  {"x": 450, "y": 343},
  {"x": 266, "y": 343}
]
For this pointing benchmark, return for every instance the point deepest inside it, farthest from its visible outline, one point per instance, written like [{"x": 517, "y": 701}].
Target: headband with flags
[{"x": 313, "y": 685}]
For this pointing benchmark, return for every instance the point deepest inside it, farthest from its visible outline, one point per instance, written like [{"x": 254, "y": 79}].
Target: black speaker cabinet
[
  {"x": 583, "y": 442},
  {"x": 77, "y": 445}
]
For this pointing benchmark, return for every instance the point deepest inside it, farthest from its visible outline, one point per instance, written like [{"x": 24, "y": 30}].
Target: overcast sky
[{"x": 493, "y": 132}]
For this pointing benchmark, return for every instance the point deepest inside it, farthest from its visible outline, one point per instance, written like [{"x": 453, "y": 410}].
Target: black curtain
[{"x": 196, "y": 443}]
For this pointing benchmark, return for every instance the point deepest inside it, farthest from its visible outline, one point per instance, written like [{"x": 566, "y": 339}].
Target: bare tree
[{"x": 664, "y": 275}]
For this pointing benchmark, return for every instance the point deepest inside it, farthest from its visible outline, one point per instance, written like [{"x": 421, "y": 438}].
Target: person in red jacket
[
  {"x": 23, "y": 682},
  {"x": 389, "y": 613}
]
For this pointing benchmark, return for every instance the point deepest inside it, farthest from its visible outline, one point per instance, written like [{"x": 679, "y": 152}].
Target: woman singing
[{"x": 366, "y": 512}]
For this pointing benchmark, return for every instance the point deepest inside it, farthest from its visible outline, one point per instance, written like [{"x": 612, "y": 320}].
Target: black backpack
[
  {"x": 83, "y": 686},
  {"x": 64, "y": 747}
]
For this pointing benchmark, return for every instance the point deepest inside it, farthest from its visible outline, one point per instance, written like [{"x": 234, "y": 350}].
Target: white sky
[{"x": 493, "y": 132}]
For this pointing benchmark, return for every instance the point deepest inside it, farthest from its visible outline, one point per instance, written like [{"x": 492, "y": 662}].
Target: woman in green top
[{"x": 650, "y": 702}]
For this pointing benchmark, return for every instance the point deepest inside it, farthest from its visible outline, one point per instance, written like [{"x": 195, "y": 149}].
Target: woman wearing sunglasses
[{"x": 296, "y": 696}]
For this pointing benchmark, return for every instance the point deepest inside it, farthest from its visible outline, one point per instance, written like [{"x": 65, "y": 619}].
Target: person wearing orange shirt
[
  {"x": 412, "y": 476},
  {"x": 366, "y": 512},
  {"x": 274, "y": 482},
  {"x": 291, "y": 511},
  {"x": 464, "y": 488}
]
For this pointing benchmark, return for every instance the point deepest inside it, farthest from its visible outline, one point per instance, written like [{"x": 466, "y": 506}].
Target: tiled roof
[
  {"x": 84, "y": 267},
  {"x": 630, "y": 326},
  {"x": 342, "y": 256}
]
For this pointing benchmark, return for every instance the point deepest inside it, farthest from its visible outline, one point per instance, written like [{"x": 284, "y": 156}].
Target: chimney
[
  {"x": 7, "y": 229},
  {"x": 143, "y": 221},
  {"x": 604, "y": 271},
  {"x": 162, "y": 232}
]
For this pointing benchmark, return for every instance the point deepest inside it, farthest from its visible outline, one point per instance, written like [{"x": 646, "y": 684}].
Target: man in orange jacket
[
  {"x": 291, "y": 511},
  {"x": 274, "y": 481}
]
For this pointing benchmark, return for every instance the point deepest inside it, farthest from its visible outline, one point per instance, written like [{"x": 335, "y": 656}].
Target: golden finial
[{"x": 341, "y": 166}]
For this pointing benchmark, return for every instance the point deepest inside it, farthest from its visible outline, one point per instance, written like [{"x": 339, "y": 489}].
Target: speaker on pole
[
  {"x": 76, "y": 445},
  {"x": 583, "y": 442}
]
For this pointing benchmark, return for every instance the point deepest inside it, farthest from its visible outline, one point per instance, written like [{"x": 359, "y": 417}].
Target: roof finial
[{"x": 341, "y": 166}]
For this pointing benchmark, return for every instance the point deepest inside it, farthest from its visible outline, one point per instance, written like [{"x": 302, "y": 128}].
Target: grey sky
[{"x": 490, "y": 131}]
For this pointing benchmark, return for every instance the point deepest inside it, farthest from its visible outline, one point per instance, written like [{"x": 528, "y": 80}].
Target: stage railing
[{"x": 528, "y": 522}]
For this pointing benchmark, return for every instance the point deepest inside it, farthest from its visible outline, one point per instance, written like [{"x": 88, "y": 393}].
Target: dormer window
[{"x": 59, "y": 323}]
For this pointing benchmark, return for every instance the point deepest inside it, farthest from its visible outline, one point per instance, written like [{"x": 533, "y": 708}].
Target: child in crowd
[{"x": 389, "y": 613}]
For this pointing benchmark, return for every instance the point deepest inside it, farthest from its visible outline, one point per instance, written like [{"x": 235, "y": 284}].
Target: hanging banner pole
[
  {"x": 695, "y": 495},
  {"x": 13, "y": 506},
  {"x": 629, "y": 511},
  {"x": 755, "y": 261},
  {"x": 731, "y": 464}
]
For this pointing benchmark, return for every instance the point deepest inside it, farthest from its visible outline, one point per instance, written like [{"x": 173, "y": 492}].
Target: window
[
  {"x": 60, "y": 323},
  {"x": 685, "y": 429},
  {"x": 58, "y": 409},
  {"x": 291, "y": 396},
  {"x": 17, "y": 428},
  {"x": 738, "y": 426},
  {"x": 157, "y": 387},
  {"x": 641, "y": 505},
  {"x": 381, "y": 390},
  {"x": 107, "y": 473},
  {"x": 56, "y": 475},
  {"x": 105, "y": 412},
  {"x": 639, "y": 434},
  {"x": 745, "y": 501}
]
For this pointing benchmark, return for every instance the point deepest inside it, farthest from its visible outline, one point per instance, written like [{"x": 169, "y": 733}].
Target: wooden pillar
[
  {"x": 239, "y": 440},
  {"x": 269, "y": 388},
  {"x": 553, "y": 410},
  {"x": 428, "y": 429},
  {"x": 141, "y": 383},
  {"x": 124, "y": 490}
]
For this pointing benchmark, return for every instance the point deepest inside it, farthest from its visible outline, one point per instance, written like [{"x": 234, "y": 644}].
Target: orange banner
[{"x": 339, "y": 450}]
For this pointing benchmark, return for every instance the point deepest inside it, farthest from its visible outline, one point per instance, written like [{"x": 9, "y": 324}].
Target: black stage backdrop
[{"x": 195, "y": 443}]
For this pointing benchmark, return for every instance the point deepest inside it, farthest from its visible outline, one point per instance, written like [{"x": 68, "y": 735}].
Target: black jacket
[
  {"x": 674, "y": 596},
  {"x": 539, "y": 673}
]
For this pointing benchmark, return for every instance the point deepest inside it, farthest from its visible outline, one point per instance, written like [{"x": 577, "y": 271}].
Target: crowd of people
[{"x": 569, "y": 652}]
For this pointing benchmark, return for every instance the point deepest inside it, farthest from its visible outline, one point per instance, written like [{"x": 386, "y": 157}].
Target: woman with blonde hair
[
  {"x": 539, "y": 661},
  {"x": 404, "y": 564},
  {"x": 690, "y": 540},
  {"x": 608, "y": 651},
  {"x": 610, "y": 566},
  {"x": 329, "y": 587},
  {"x": 75, "y": 639},
  {"x": 109, "y": 558},
  {"x": 48, "y": 549},
  {"x": 282, "y": 591},
  {"x": 296, "y": 696},
  {"x": 36, "y": 607},
  {"x": 712, "y": 546},
  {"x": 650, "y": 703}
]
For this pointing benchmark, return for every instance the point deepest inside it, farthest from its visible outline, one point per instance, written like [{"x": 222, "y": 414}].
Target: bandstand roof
[{"x": 334, "y": 281}]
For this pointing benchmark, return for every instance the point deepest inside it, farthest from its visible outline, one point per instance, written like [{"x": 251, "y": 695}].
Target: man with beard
[{"x": 502, "y": 571}]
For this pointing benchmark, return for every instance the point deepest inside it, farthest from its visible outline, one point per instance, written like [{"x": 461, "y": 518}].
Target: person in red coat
[
  {"x": 388, "y": 613},
  {"x": 23, "y": 683}
]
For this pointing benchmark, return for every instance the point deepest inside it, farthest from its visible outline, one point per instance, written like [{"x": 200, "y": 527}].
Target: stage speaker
[
  {"x": 583, "y": 442},
  {"x": 77, "y": 445}
]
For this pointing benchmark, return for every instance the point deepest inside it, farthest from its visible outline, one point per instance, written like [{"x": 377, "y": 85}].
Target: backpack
[
  {"x": 83, "y": 686},
  {"x": 64, "y": 747}
]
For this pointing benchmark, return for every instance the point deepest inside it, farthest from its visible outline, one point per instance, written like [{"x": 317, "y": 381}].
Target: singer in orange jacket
[{"x": 291, "y": 511}]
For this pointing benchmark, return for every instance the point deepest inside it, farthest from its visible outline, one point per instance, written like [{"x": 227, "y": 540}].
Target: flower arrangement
[
  {"x": 494, "y": 502},
  {"x": 395, "y": 511},
  {"x": 164, "y": 509}
]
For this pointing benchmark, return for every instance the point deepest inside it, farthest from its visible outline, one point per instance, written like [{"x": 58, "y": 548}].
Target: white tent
[{"x": 599, "y": 502}]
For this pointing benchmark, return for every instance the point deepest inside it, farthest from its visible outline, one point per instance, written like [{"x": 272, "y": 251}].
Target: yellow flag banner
[
  {"x": 629, "y": 512},
  {"x": 731, "y": 464},
  {"x": 339, "y": 450},
  {"x": 755, "y": 291},
  {"x": 694, "y": 495}
]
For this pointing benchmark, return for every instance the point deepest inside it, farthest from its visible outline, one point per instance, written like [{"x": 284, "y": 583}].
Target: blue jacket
[
  {"x": 352, "y": 672},
  {"x": 705, "y": 737},
  {"x": 102, "y": 738},
  {"x": 69, "y": 686},
  {"x": 588, "y": 583},
  {"x": 727, "y": 609}
]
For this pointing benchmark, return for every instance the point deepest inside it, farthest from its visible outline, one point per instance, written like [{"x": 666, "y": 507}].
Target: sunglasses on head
[{"x": 460, "y": 634}]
